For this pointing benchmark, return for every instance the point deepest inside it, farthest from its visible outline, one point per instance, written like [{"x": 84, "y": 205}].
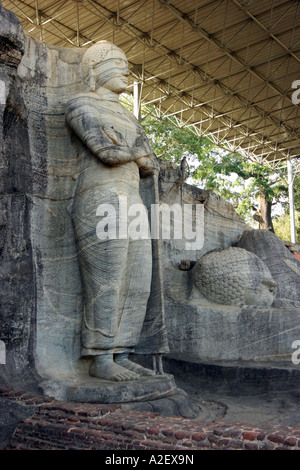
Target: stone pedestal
[{"x": 158, "y": 393}]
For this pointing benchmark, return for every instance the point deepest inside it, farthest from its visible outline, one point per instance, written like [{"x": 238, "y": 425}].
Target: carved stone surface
[
  {"x": 234, "y": 277},
  {"x": 41, "y": 284},
  {"x": 93, "y": 390},
  {"x": 202, "y": 332},
  {"x": 116, "y": 269},
  {"x": 284, "y": 267},
  {"x": 222, "y": 225},
  {"x": 40, "y": 173},
  {"x": 202, "y": 324}
]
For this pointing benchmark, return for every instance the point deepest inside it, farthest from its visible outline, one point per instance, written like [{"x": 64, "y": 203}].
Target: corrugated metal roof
[{"x": 224, "y": 68}]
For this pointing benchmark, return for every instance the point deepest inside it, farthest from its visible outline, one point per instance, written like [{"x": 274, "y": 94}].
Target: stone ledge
[{"x": 58, "y": 425}]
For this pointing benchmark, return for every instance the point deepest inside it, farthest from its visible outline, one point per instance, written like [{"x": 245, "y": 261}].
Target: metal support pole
[
  {"x": 291, "y": 199},
  {"x": 136, "y": 100}
]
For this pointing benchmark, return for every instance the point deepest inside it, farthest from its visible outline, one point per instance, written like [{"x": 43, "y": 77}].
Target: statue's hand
[
  {"x": 114, "y": 135},
  {"x": 148, "y": 165}
]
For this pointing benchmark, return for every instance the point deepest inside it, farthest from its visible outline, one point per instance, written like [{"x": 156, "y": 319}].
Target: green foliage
[
  {"x": 172, "y": 143},
  {"x": 282, "y": 221},
  {"x": 282, "y": 226},
  {"x": 297, "y": 193},
  {"x": 227, "y": 174}
]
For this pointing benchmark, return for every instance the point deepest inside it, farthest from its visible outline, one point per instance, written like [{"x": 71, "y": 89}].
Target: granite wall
[
  {"x": 17, "y": 289},
  {"x": 40, "y": 285},
  {"x": 40, "y": 290}
]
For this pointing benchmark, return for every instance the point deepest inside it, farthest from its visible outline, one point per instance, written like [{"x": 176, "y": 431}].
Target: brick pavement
[{"x": 56, "y": 425}]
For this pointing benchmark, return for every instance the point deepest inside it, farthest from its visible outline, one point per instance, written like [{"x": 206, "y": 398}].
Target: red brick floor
[{"x": 58, "y": 425}]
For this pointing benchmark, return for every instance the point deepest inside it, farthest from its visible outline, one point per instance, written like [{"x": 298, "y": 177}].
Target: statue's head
[
  {"x": 105, "y": 65},
  {"x": 234, "y": 277}
]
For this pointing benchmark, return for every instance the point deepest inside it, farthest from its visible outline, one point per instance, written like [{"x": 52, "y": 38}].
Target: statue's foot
[
  {"x": 122, "y": 360},
  {"x": 104, "y": 367}
]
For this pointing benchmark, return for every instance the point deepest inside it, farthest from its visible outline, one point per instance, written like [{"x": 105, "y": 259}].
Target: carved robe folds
[{"x": 120, "y": 312}]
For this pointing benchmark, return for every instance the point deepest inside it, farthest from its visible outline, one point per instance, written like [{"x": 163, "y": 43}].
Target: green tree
[
  {"x": 253, "y": 188},
  {"x": 283, "y": 228},
  {"x": 282, "y": 221},
  {"x": 172, "y": 143}
]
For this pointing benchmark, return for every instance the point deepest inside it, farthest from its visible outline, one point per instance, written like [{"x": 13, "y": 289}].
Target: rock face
[
  {"x": 17, "y": 290},
  {"x": 221, "y": 225},
  {"x": 41, "y": 289},
  {"x": 36, "y": 233},
  {"x": 11, "y": 39},
  {"x": 41, "y": 285},
  {"x": 253, "y": 328}
]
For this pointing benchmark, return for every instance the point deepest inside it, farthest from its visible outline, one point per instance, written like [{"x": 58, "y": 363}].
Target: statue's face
[
  {"x": 112, "y": 73},
  {"x": 263, "y": 292}
]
